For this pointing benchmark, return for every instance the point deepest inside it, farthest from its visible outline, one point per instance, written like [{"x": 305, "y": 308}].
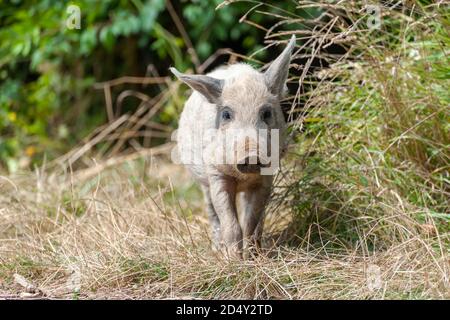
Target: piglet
[{"x": 231, "y": 136}]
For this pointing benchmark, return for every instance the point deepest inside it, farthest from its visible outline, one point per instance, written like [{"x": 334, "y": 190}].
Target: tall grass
[
  {"x": 375, "y": 152},
  {"x": 360, "y": 209}
]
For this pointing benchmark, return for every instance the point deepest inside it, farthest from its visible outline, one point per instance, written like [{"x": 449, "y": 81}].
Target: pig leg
[
  {"x": 253, "y": 202},
  {"x": 213, "y": 218},
  {"x": 223, "y": 196},
  {"x": 258, "y": 233}
]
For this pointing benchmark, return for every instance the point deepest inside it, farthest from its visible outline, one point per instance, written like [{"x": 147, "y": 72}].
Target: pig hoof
[
  {"x": 216, "y": 247},
  {"x": 234, "y": 254}
]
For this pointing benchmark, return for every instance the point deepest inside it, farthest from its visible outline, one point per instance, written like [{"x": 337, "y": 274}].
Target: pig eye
[
  {"x": 266, "y": 114},
  {"x": 226, "y": 114}
]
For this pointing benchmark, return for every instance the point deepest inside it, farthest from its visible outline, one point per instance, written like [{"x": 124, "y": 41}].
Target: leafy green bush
[{"x": 47, "y": 70}]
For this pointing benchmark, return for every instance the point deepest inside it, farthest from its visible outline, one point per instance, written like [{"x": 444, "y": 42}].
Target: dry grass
[
  {"x": 142, "y": 233},
  {"x": 360, "y": 209}
]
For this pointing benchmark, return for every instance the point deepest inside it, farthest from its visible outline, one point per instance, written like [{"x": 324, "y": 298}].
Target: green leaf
[{"x": 107, "y": 38}]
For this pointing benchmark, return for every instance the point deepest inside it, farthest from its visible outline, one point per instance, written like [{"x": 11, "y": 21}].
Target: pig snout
[
  {"x": 250, "y": 158},
  {"x": 250, "y": 164}
]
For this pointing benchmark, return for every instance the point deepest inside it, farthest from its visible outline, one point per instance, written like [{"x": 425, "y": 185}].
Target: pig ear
[
  {"x": 278, "y": 71},
  {"x": 210, "y": 88}
]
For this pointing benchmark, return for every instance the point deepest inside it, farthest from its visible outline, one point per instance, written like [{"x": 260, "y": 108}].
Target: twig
[
  {"x": 82, "y": 175},
  {"x": 86, "y": 147},
  {"x": 131, "y": 80},
  {"x": 213, "y": 57},
  {"x": 184, "y": 34},
  {"x": 108, "y": 100}
]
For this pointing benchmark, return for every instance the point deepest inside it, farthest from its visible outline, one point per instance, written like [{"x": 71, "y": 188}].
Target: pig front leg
[
  {"x": 223, "y": 196},
  {"x": 213, "y": 218},
  {"x": 253, "y": 203}
]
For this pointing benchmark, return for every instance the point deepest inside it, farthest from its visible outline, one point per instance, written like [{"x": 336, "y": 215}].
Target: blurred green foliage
[{"x": 47, "y": 70}]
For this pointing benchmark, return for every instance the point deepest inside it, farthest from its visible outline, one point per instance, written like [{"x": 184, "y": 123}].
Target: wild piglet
[{"x": 230, "y": 136}]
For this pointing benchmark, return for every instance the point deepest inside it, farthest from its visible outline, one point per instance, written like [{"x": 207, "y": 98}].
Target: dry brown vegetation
[
  {"x": 126, "y": 234},
  {"x": 360, "y": 209}
]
